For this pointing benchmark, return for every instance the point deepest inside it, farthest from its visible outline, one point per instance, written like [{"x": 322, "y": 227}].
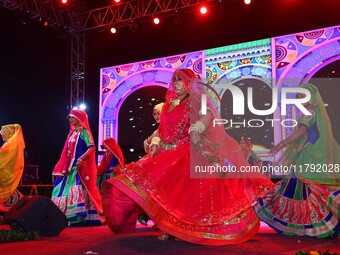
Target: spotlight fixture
[
  {"x": 44, "y": 21},
  {"x": 203, "y": 10},
  {"x": 156, "y": 21},
  {"x": 82, "y": 106},
  {"x": 247, "y": 1},
  {"x": 113, "y": 30}
]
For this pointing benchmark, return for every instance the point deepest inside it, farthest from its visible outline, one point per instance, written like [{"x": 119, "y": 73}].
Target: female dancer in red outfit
[{"x": 203, "y": 208}]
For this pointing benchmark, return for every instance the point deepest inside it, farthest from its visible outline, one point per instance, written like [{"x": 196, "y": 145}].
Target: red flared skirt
[{"x": 210, "y": 211}]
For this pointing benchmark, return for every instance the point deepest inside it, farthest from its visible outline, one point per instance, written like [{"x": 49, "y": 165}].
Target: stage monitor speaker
[{"x": 36, "y": 214}]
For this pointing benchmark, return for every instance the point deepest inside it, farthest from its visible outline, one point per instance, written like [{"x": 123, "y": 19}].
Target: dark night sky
[{"x": 35, "y": 60}]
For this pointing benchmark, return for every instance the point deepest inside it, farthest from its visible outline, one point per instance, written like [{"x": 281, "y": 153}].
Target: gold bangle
[{"x": 155, "y": 141}]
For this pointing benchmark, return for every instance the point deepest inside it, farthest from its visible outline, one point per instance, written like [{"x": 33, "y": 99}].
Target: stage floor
[{"x": 100, "y": 240}]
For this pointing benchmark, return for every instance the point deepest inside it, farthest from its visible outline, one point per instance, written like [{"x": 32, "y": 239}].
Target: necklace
[{"x": 176, "y": 101}]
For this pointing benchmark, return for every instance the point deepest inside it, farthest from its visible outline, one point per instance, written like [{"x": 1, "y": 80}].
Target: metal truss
[
  {"x": 123, "y": 13},
  {"x": 67, "y": 20},
  {"x": 77, "y": 69},
  {"x": 40, "y": 10},
  {"x": 76, "y": 19},
  {"x": 77, "y": 22}
]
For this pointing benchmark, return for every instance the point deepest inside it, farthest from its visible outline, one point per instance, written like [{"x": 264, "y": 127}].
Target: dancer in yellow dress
[{"x": 11, "y": 165}]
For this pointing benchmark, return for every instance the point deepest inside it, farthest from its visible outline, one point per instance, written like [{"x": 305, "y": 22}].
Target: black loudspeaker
[{"x": 36, "y": 214}]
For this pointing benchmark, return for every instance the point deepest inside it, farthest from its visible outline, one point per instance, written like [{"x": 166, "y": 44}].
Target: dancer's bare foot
[{"x": 164, "y": 237}]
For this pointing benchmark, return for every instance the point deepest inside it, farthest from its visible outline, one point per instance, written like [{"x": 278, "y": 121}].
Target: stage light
[
  {"x": 113, "y": 30},
  {"x": 44, "y": 21},
  {"x": 156, "y": 21},
  {"x": 117, "y": 1},
  {"x": 203, "y": 10},
  {"x": 64, "y": 1},
  {"x": 247, "y": 1},
  {"x": 82, "y": 106}
]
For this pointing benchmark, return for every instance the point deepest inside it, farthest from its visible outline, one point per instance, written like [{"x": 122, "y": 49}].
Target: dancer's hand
[
  {"x": 146, "y": 145},
  {"x": 78, "y": 165},
  {"x": 275, "y": 149},
  {"x": 152, "y": 150},
  {"x": 195, "y": 137}
]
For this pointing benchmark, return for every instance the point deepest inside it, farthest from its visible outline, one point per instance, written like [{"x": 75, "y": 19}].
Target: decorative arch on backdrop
[
  {"x": 244, "y": 65},
  {"x": 135, "y": 119},
  {"x": 299, "y": 58},
  {"x": 119, "y": 82},
  {"x": 283, "y": 61}
]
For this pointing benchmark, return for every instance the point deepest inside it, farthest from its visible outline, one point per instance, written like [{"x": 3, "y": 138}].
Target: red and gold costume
[{"x": 210, "y": 211}]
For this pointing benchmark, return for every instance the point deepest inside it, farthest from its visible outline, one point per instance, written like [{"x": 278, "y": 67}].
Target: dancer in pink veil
[
  {"x": 203, "y": 209},
  {"x": 113, "y": 156},
  {"x": 75, "y": 191},
  {"x": 248, "y": 153}
]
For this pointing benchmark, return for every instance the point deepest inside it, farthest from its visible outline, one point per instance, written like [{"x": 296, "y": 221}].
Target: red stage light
[
  {"x": 64, "y": 1},
  {"x": 156, "y": 21},
  {"x": 203, "y": 10},
  {"x": 113, "y": 30},
  {"x": 45, "y": 23},
  {"x": 247, "y": 1},
  {"x": 117, "y": 1}
]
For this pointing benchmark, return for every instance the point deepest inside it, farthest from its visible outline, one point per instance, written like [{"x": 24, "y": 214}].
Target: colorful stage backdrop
[{"x": 285, "y": 61}]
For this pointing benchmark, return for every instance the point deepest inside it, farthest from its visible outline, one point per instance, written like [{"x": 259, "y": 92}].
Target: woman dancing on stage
[
  {"x": 203, "y": 209},
  {"x": 75, "y": 191},
  {"x": 156, "y": 113},
  {"x": 248, "y": 153},
  {"x": 11, "y": 165},
  {"x": 306, "y": 202},
  {"x": 112, "y": 157}
]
